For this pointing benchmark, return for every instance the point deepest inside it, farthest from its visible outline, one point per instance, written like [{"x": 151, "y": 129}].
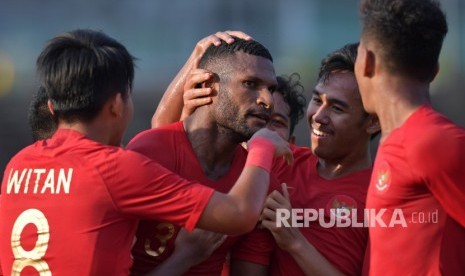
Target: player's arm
[
  {"x": 148, "y": 189},
  {"x": 170, "y": 108},
  {"x": 245, "y": 200},
  {"x": 190, "y": 249},
  {"x": 291, "y": 239},
  {"x": 442, "y": 170}
]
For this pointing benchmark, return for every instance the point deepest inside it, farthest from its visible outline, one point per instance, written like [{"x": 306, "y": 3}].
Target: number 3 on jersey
[
  {"x": 168, "y": 228},
  {"x": 33, "y": 257}
]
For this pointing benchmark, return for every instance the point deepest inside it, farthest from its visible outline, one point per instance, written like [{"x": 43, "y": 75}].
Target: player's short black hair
[
  {"x": 81, "y": 70},
  {"x": 292, "y": 91},
  {"x": 342, "y": 59},
  {"x": 215, "y": 53},
  {"x": 42, "y": 123},
  {"x": 408, "y": 33}
]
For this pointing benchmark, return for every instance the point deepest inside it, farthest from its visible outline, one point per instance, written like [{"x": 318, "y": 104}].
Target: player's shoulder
[
  {"x": 157, "y": 133},
  {"x": 303, "y": 155},
  {"x": 303, "y": 160},
  {"x": 433, "y": 142},
  {"x": 157, "y": 139},
  {"x": 22, "y": 155},
  {"x": 429, "y": 130},
  {"x": 301, "y": 151}
]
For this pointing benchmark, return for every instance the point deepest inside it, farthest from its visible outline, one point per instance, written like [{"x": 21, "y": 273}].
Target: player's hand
[
  {"x": 216, "y": 39},
  {"x": 197, "y": 245},
  {"x": 282, "y": 147},
  {"x": 194, "y": 94},
  {"x": 287, "y": 238}
]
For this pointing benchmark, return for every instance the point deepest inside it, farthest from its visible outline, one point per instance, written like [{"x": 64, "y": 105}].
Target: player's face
[
  {"x": 244, "y": 101},
  {"x": 280, "y": 121},
  {"x": 336, "y": 118}
]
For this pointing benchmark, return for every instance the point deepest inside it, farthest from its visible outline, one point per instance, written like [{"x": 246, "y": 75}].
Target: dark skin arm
[{"x": 190, "y": 249}]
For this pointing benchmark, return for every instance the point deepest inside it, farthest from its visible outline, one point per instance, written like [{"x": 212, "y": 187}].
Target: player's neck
[
  {"x": 94, "y": 131},
  {"x": 356, "y": 161},
  {"x": 214, "y": 148},
  {"x": 396, "y": 99}
]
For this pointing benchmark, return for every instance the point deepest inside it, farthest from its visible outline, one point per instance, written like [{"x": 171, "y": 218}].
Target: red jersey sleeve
[
  {"x": 437, "y": 160},
  {"x": 155, "y": 192}
]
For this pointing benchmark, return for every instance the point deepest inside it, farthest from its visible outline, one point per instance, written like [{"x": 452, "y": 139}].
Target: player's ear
[
  {"x": 213, "y": 83},
  {"x": 116, "y": 105},
  {"x": 50, "y": 107},
  {"x": 367, "y": 59}
]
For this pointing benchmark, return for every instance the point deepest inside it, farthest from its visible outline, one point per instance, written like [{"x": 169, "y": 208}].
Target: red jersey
[
  {"x": 70, "y": 206},
  {"x": 418, "y": 190},
  {"x": 155, "y": 238},
  {"x": 344, "y": 247}
]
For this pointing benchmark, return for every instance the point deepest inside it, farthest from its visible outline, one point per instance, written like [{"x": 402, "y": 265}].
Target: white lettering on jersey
[{"x": 55, "y": 181}]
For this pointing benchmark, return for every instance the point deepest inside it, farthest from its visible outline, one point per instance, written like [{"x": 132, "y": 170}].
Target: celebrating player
[
  {"x": 331, "y": 177},
  {"x": 419, "y": 167},
  {"x": 206, "y": 146},
  {"x": 70, "y": 204}
]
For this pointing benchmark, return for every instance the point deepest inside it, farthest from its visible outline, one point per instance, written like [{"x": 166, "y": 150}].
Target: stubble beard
[{"x": 230, "y": 121}]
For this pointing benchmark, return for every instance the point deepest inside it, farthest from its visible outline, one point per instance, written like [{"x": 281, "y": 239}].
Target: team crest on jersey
[
  {"x": 383, "y": 177},
  {"x": 340, "y": 205}
]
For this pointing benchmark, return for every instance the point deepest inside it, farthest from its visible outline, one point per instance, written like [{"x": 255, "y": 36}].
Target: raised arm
[
  {"x": 171, "y": 105},
  {"x": 291, "y": 239}
]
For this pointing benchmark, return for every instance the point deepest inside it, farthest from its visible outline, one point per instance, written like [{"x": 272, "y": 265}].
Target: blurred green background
[{"x": 161, "y": 34}]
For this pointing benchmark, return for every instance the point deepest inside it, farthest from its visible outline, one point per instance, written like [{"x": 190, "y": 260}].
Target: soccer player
[
  {"x": 338, "y": 179},
  {"x": 41, "y": 121},
  {"x": 418, "y": 172},
  {"x": 71, "y": 204},
  {"x": 206, "y": 146},
  {"x": 193, "y": 248},
  {"x": 330, "y": 177},
  {"x": 288, "y": 106}
]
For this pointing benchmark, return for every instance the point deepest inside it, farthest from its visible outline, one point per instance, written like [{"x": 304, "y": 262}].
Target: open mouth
[{"x": 319, "y": 133}]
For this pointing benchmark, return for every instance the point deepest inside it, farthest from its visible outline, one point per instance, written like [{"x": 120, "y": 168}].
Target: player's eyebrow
[{"x": 332, "y": 100}]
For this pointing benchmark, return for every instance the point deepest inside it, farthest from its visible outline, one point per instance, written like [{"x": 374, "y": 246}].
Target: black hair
[
  {"x": 81, "y": 70},
  {"x": 292, "y": 91},
  {"x": 409, "y": 34},
  {"x": 251, "y": 47},
  {"x": 42, "y": 123},
  {"x": 342, "y": 59}
]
